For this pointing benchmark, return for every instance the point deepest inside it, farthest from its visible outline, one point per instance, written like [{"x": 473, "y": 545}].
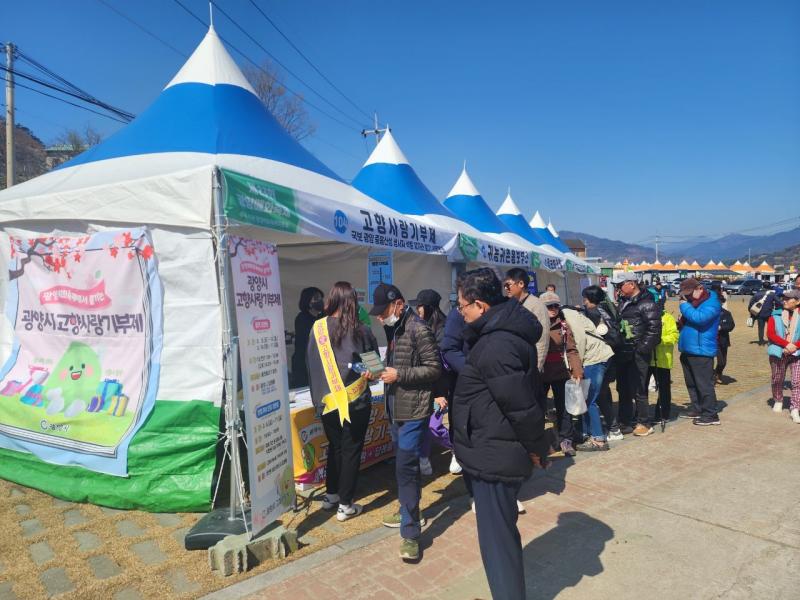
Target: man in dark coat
[
  {"x": 768, "y": 294},
  {"x": 413, "y": 366},
  {"x": 498, "y": 427},
  {"x": 641, "y": 320}
]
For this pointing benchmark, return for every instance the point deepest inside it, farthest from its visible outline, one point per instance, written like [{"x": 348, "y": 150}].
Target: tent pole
[
  {"x": 222, "y": 522},
  {"x": 566, "y": 289}
]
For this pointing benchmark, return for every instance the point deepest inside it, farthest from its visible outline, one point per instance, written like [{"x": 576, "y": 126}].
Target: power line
[
  {"x": 22, "y": 85},
  {"x": 284, "y": 67},
  {"x": 260, "y": 68},
  {"x": 76, "y": 91},
  {"x": 308, "y": 60},
  {"x": 124, "y": 115},
  {"x": 143, "y": 28}
]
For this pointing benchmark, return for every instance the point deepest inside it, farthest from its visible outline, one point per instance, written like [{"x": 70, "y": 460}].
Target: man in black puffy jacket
[
  {"x": 641, "y": 321},
  {"x": 498, "y": 427},
  {"x": 768, "y": 294}
]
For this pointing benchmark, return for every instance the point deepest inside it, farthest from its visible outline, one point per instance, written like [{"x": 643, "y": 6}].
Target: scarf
[
  {"x": 703, "y": 297},
  {"x": 790, "y": 323}
]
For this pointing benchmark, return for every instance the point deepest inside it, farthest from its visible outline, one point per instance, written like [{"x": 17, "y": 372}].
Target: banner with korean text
[
  {"x": 83, "y": 373},
  {"x": 262, "y": 359}
]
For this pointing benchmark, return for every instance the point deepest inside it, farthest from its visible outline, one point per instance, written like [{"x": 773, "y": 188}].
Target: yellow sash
[{"x": 340, "y": 395}]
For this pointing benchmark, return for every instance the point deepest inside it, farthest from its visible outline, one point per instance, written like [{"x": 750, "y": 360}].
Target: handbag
[
  {"x": 750, "y": 321},
  {"x": 575, "y": 396},
  {"x": 755, "y": 310}
]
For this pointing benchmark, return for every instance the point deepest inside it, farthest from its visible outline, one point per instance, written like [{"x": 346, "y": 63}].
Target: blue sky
[{"x": 620, "y": 119}]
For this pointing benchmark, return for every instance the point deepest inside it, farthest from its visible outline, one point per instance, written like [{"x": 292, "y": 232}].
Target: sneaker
[
  {"x": 330, "y": 501},
  {"x": 626, "y": 429},
  {"x": 520, "y": 508},
  {"x": 567, "y": 449},
  {"x": 689, "y": 414},
  {"x": 615, "y": 435},
  {"x": 348, "y": 512},
  {"x": 592, "y": 445},
  {"x": 425, "y": 466},
  {"x": 642, "y": 430},
  {"x": 795, "y": 414},
  {"x": 777, "y": 406},
  {"x": 409, "y": 550},
  {"x": 705, "y": 421},
  {"x": 455, "y": 468},
  {"x": 393, "y": 521}
]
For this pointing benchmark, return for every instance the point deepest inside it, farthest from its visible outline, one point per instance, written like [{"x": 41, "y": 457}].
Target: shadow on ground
[{"x": 560, "y": 558}]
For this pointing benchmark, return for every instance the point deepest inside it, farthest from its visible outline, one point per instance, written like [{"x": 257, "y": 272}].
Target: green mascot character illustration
[
  {"x": 286, "y": 487},
  {"x": 308, "y": 452},
  {"x": 74, "y": 380}
]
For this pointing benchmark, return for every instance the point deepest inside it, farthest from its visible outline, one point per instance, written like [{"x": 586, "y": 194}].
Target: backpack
[{"x": 610, "y": 318}]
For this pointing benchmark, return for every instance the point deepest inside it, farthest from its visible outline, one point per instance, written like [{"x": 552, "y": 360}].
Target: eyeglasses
[
  {"x": 507, "y": 285},
  {"x": 461, "y": 307}
]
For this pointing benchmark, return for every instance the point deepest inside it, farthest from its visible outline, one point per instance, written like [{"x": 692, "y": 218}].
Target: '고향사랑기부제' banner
[
  {"x": 262, "y": 352},
  {"x": 83, "y": 372}
]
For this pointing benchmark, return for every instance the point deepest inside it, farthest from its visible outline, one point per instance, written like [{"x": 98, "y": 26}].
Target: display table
[{"x": 310, "y": 446}]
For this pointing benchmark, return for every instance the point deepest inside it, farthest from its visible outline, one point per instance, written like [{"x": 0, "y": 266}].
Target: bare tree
[
  {"x": 287, "y": 108},
  {"x": 80, "y": 141}
]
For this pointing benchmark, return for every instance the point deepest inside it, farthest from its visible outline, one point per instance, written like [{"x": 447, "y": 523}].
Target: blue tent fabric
[
  {"x": 399, "y": 187},
  {"x": 552, "y": 240},
  {"x": 474, "y": 210},
  {"x": 518, "y": 225},
  {"x": 214, "y": 119}
]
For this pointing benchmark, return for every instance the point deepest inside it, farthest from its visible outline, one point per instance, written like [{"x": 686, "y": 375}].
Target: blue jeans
[
  {"x": 591, "y": 419},
  {"x": 408, "y": 436}
]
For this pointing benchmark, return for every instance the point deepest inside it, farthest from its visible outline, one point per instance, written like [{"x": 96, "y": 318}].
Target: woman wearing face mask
[
  {"x": 562, "y": 363},
  {"x": 783, "y": 332},
  {"x": 311, "y": 305}
]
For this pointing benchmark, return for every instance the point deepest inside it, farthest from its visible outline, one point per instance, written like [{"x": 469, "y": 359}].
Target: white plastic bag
[{"x": 575, "y": 395}]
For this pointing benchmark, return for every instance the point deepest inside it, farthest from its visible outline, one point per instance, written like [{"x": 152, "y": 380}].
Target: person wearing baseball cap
[
  {"x": 783, "y": 332},
  {"x": 413, "y": 366},
  {"x": 698, "y": 344}
]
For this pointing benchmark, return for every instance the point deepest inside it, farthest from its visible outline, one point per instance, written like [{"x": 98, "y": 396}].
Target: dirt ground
[{"x": 56, "y": 554}]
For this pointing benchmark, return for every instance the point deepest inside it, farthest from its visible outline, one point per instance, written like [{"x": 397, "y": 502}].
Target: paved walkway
[{"x": 691, "y": 513}]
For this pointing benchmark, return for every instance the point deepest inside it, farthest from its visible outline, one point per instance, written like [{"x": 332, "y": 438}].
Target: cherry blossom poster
[{"x": 83, "y": 371}]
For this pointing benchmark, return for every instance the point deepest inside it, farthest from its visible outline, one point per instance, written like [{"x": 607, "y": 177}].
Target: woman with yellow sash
[{"x": 340, "y": 395}]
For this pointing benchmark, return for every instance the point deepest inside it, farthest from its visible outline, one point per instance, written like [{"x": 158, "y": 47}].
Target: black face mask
[{"x": 317, "y": 305}]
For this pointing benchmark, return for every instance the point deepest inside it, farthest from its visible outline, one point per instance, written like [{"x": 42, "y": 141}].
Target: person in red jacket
[{"x": 783, "y": 332}]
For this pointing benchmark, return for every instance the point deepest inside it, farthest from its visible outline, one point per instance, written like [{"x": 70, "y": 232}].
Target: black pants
[
  {"x": 664, "y": 385},
  {"x": 498, "y": 537},
  {"x": 566, "y": 428},
  {"x": 722, "y": 360},
  {"x": 345, "y": 443},
  {"x": 632, "y": 380},
  {"x": 698, "y": 371},
  {"x": 761, "y": 324}
]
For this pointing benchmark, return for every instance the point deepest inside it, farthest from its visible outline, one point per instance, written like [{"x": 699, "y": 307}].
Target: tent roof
[
  {"x": 466, "y": 202},
  {"x": 388, "y": 177},
  {"x": 542, "y": 230},
  {"x": 510, "y": 214},
  {"x": 208, "y": 107}
]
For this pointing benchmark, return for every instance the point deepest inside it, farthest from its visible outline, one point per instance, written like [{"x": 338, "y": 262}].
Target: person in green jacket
[{"x": 661, "y": 365}]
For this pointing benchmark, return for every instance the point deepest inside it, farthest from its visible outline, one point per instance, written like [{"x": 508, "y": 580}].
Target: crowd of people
[{"x": 500, "y": 364}]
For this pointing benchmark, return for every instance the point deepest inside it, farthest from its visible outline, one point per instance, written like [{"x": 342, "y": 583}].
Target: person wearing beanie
[{"x": 699, "y": 326}]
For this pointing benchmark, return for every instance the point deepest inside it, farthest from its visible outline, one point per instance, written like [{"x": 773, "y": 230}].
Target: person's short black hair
[
  {"x": 460, "y": 280},
  {"x": 518, "y": 275},
  {"x": 482, "y": 284},
  {"x": 766, "y": 285},
  {"x": 550, "y": 285},
  {"x": 594, "y": 294}
]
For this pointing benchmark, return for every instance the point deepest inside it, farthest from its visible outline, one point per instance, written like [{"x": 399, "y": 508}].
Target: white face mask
[{"x": 391, "y": 320}]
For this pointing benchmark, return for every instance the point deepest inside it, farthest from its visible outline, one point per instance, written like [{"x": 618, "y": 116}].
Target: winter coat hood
[{"x": 509, "y": 316}]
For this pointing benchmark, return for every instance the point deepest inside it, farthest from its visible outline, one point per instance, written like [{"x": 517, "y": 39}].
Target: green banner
[
  {"x": 469, "y": 246},
  {"x": 536, "y": 260},
  {"x": 171, "y": 461},
  {"x": 260, "y": 203},
  {"x": 570, "y": 266}
]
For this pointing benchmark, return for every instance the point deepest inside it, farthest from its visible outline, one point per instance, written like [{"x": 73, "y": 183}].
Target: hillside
[
  {"x": 611, "y": 250},
  {"x": 736, "y": 246},
  {"x": 785, "y": 256}
]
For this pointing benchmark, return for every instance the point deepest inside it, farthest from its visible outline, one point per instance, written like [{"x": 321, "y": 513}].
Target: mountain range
[{"x": 727, "y": 248}]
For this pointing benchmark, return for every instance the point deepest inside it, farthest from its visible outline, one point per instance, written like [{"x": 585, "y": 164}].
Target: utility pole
[
  {"x": 657, "y": 240},
  {"x": 376, "y": 131},
  {"x": 9, "y": 115}
]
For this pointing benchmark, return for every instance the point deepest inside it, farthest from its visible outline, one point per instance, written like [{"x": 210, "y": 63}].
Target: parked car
[
  {"x": 749, "y": 287},
  {"x": 733, "y": 286},
  {"x": 675, "y": 285}
]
